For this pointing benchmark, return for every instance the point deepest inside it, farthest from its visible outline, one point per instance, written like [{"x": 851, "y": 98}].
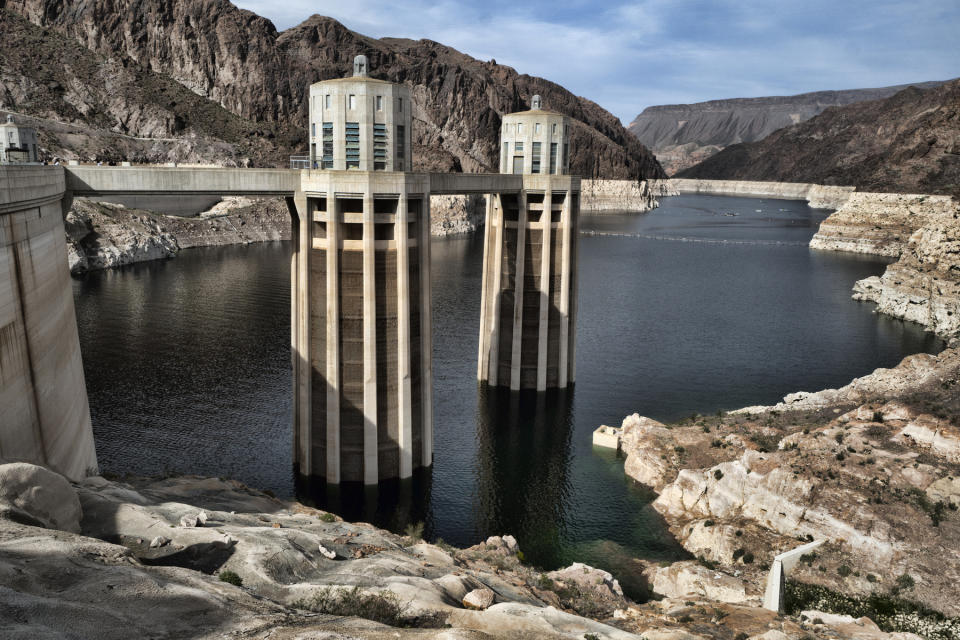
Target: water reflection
[
  {"x": 392, "y": 504},
  {"x": 523, "y": 483}
]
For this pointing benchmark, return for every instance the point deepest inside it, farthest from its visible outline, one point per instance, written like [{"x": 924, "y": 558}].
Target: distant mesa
[{"x": 682, "y": 135}]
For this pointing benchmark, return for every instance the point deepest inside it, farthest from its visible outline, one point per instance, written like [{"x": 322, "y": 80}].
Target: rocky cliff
[
  {"x": 599, "y": 196},
  {"x": 907, "y": 143},
  {"x": 923, "y": 232},
  {"x": 682, "y": 135},
  {"x": 241, "y": 63},
  {"x": 87, "y": 104}
]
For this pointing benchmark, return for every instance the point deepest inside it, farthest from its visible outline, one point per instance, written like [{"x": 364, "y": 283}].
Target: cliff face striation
[
  {"x": 242, "y": 64},
  {"x": 923, "y": 232},
  {"x": 907, "y": 143},
  {"x": 682, "y": 135},
  {"x": 618, "y": 196}
]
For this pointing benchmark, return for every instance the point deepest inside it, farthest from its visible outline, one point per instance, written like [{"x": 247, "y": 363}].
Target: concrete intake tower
[
  {"x": 361, "y": 287},
  {"x": 528, "y": 312}
]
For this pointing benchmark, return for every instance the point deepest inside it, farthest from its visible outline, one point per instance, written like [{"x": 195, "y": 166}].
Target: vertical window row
[
  {"x": 553, "y": 156},
  {"x": 327, "y": 160},
  {"x": 379, "y": 144},
  {"x": 352, "y": 137},
  {"x": 401, "y": 144},
  {"x": 536, "y": 157}
]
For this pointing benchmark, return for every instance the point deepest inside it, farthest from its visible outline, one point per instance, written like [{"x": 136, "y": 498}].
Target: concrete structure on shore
[
  {"x": 18, "y": 144},
  {"x": 528, "y": 311},
  {"x": 44, "y": 415}
]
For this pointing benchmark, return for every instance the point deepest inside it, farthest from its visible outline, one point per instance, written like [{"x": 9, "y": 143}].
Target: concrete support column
[
  {"x": 564, "y": 290},
  {"x": 370, "y": 463},
  {"x": 483, "y": 354},
  {"x": 334, "y": 215},
  {"x": 301, "y": 211},
  {"x": 426, "y": 333},
  {"x": 522, "y": 219},
  {"x": 404, "y": 389},
  {"x": 496, "y": 291},
  {"x": 546, "y": 220}
]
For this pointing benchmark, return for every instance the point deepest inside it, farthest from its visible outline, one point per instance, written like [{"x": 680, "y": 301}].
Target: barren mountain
[
  {"x": 909, "y": 142},
  {"x": 242, "y": 63},
  {"x": 682, "y": 135}
]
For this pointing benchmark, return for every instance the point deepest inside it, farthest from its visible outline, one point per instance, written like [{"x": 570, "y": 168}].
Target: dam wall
[
  {"x": 818, "y": 196},
  {"x": 44, "y": 415}
]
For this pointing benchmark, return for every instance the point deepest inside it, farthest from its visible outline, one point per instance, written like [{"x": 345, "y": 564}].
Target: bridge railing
[{"x": 299, "y": 162}]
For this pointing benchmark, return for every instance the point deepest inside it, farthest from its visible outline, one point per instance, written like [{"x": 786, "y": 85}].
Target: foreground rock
[
  {"x": 256, "y": 568},
  {"x": 876, "y": 482}
]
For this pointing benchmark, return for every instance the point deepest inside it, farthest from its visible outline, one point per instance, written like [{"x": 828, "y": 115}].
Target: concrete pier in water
[{"x": 360, "y": 284}]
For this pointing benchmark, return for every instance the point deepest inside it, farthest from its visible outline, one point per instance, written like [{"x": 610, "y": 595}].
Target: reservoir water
[{"x": 704, "y": 304}]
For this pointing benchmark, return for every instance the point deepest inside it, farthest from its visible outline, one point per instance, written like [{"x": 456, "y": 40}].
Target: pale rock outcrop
[
  {"x": 879, "y": 223},
  {"x": 479, "y": 599},
  {"x": 817, "y": 196},
  {"x": 691, "y": 580},
  {"x": 618, "y": 196},
  {"x": 590, "y": 580},
  {"x": 643, "y": 440},
  {"x": 945, "y": 490},
  {"x": 923, "y": 286},
  {"x": 36, "y": 495}
]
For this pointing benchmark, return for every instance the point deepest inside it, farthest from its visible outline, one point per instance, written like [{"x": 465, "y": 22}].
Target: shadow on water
[{"x": 391, "y": 504}]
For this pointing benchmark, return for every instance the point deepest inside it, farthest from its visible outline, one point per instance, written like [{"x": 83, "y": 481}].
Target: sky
[{"x": 629, "y": 55}]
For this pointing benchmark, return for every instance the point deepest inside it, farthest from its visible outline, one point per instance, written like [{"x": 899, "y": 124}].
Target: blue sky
[{"x": 630, "y": 55}]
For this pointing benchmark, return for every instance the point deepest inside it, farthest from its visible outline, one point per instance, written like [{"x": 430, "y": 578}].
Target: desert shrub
[
  {"x": 717, "y": 474},
  {"x": 231, "y": 577},
  {"x": 384, "y": 607},
  {"x": 414, "y": 531},
  {"x": 844, "y": 571},
  {"x": 327, "y": 517},
  {"x": 891, "y": 614}
]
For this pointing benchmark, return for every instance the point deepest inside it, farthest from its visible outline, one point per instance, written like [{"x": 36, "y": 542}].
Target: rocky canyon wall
[
  {"x": 600, "y": 196},
  {"x": 817, "y": 195}
]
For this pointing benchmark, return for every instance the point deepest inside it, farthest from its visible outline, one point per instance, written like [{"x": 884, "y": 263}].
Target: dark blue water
[{"x": 188, "y": 368}]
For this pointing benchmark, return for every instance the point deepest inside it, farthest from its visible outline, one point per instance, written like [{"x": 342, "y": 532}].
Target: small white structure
[
  {"x": 783, "y": 563},
  {"x": 604, "y": 436},
  {"x": 18, "y": 144},
  {"x": 535, "y": 141},
  {"x": 360, "y": 123}
]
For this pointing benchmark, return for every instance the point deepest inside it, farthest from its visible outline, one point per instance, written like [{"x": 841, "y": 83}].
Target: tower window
[
  {"x": 401, "y": 145},
  {"x": 535, "y": 168},
  {"x": 400, "y": 105},
  {"x": 379, "y": 146},
  {"x": 326, "y": 101},
  {"x": 553, "y": 156},
  {"x": 536, "y": 128},
  {"x": 554, "y": 129},
  {"x": 313, "y": 129},
  {"x": 352, "y": 102},
  {"x": 352, "y": 136},
  {"x": 327, "y": 159},
  {"x": 519, "y": 127},
  {"x": 518, "y": 147}
]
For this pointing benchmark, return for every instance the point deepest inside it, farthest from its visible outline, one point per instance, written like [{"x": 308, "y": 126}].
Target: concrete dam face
[{"x": 44, "y": 415}]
